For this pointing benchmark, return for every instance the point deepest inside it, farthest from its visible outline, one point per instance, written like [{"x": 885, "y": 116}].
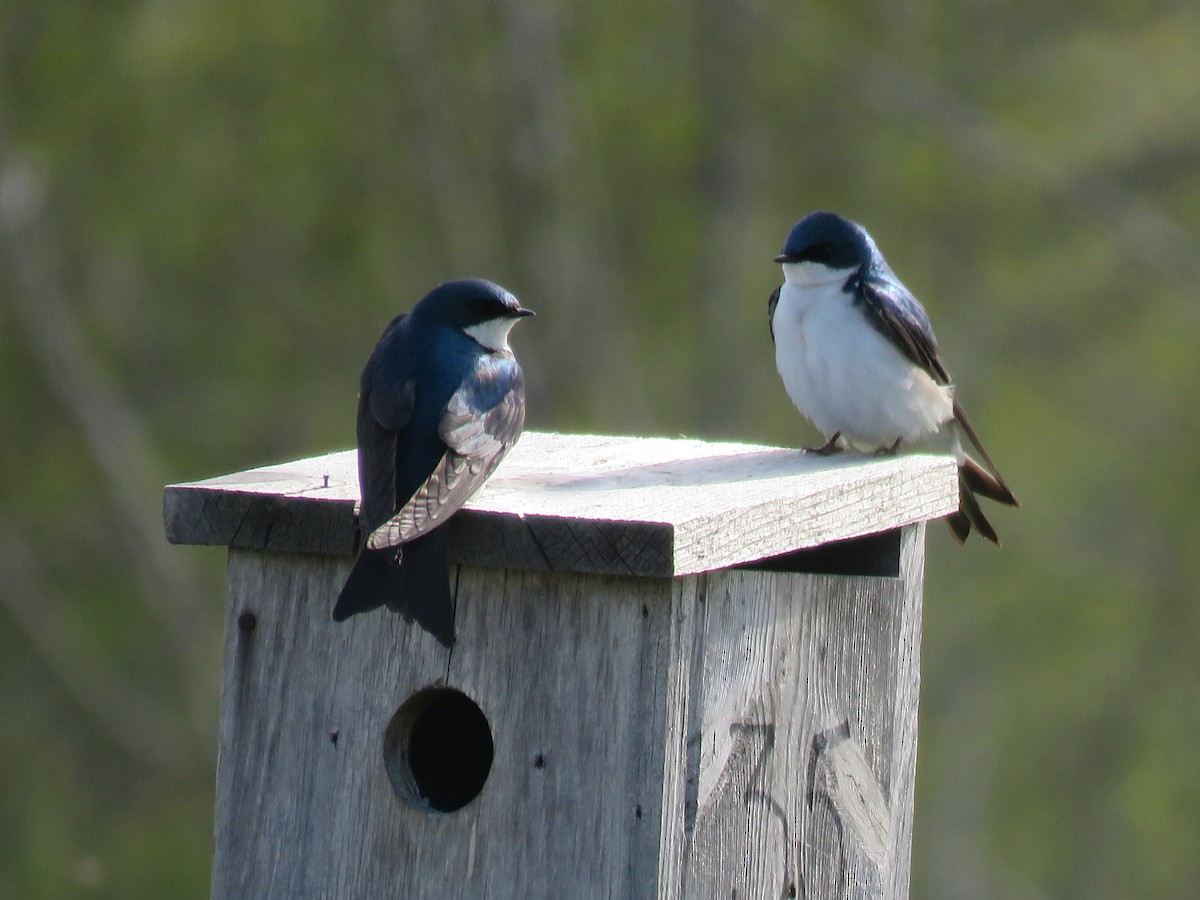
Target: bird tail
[
  {"x": 975, "y": 479},
  {"x": 412, "y": 579}
]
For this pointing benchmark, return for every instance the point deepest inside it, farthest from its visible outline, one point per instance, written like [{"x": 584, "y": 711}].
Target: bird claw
[
  {"x": 888, "y": 451},
  {"x": 829, "y": 448}
]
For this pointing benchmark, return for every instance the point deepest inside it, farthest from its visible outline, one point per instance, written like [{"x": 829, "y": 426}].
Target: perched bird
[
  {"x": 442, "y": 399},
  {"x": 858, "y": 357}
]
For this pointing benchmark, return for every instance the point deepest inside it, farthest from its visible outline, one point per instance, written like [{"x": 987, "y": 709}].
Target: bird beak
[
  {"x": 784, "y": 258},
  {"x": 521, "y": 312}
]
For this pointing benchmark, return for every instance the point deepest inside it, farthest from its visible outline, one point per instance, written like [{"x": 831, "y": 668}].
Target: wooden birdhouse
[{"x": 683, "y": 669}]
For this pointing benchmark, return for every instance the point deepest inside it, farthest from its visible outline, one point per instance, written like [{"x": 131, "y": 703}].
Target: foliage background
[{"x": 209, "y": 210}]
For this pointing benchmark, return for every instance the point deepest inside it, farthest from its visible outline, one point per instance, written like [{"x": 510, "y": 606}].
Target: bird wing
[
  {"x": 385, "y": 405},
  {"x": 895, "y": 313},
  {"x": 478, "y": 429},
  {"x": 771, "y": 304}
]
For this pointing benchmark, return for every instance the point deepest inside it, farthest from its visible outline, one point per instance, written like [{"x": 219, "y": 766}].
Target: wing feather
[
  {"x": 773, "y": 302},
  {"x": 475, "y": 446},
  {"x": 896, "y": 314},
  {"x": 385, "y": 406},
  {"x": 376, "y": 467}
]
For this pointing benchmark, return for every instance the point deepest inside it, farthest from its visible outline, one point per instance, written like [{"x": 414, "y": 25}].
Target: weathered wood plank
[
  {"x": 587, "y": 503},
  {"x": 804, "y": 712},
  {"x": 565, "y": 667},
  {"x": 736, "y": 731},
  {"x": 241, "y": 510},
  {"x": 906, "y": 700}
]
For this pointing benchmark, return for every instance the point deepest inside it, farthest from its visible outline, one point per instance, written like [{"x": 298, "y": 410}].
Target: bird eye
[
  {"x": 819, "y": 252},
  {"x": 480, "y": 306}
]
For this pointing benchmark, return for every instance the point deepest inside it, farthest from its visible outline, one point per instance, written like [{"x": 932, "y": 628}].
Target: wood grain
[
  {"x": 697, "y": 731},
  {"x": 587, "y": 503},
  {"x": 563, "y": 666},
  {"x": 739, "y": 732},
  {"x": 804, "y": 710}
]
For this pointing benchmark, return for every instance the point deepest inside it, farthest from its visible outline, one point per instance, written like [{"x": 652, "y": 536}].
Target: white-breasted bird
[{"x": 858, "y": 357}]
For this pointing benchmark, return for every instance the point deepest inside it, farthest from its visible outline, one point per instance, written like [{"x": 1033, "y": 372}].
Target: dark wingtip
[
  {"x": 418, "y": 589},
  {"x": 364, "y": 589},
  {"x": 422, "y": 587},
  {"x": 960, "y": 527},
  {"x": 436, "y": 619},
  {"x": 980, "y": 481},
  {"x": 968, "y": 507}
]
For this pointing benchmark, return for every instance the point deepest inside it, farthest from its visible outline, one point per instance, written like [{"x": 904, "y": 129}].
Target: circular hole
[{"x": 438, "y": 750}]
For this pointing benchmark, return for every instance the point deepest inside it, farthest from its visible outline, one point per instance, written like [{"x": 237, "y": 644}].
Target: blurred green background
[{"x": 209, "y": 210}]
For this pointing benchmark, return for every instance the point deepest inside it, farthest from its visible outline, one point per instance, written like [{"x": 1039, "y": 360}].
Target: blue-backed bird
[
  {"x": 441, "y": 400},
  {"x": 858, "y": 357}
]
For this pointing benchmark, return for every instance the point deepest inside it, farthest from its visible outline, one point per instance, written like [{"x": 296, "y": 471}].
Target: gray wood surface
[
  {"x": 586, "y": 503},
  {"x": 803, "y": 705},
  {"x": 730, "y": 733},
  {"x": 704, "y": 731},
  {"x": 563, "y": 666}
]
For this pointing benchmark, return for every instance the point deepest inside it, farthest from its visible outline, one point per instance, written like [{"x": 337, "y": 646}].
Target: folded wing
[{"x": 478, "y": 431}]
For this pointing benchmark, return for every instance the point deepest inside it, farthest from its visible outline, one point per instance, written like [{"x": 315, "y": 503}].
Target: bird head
[
  {"x": 824, "y": 242},
  {"x": 481, "y": 309}
]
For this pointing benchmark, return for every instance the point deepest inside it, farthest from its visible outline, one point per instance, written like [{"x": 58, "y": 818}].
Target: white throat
[
  {"x": 813, "y": 274},
  {"x": 493, "y": 333}
]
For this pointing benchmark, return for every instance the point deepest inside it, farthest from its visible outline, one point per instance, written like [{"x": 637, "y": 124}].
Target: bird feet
[
  {"x": 888, "y": 451},
  {"x": 829, "y": 448}
]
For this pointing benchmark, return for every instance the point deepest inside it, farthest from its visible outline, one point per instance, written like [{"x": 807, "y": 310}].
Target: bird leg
[
  {"x": 888, "y": 451},
  {"x": 829, "y": 448}
]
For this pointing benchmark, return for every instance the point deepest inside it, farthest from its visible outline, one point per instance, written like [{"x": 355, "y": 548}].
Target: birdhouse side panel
[{"x": 803, "y": 705}]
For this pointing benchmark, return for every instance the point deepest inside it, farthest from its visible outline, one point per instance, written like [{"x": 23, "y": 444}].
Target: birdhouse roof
[{"x": 592, "y": 503}]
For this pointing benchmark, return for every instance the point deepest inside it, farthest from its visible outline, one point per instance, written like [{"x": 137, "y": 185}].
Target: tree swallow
[
  {"x": 442, "y": 399},
  {"x": 858, "y": 357}
]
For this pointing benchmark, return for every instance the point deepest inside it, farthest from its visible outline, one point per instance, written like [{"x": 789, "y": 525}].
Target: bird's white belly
[{"x": 846, "y": 377}]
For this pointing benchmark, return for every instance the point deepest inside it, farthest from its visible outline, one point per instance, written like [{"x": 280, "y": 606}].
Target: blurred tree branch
[
  {"x": 127, "y": 714},
  {"x": 111, "y": 429},
  {"x": 1135, "y": 224},
  {"x": 729, "y": 169},
  {"x": 566, "y": 248}
]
